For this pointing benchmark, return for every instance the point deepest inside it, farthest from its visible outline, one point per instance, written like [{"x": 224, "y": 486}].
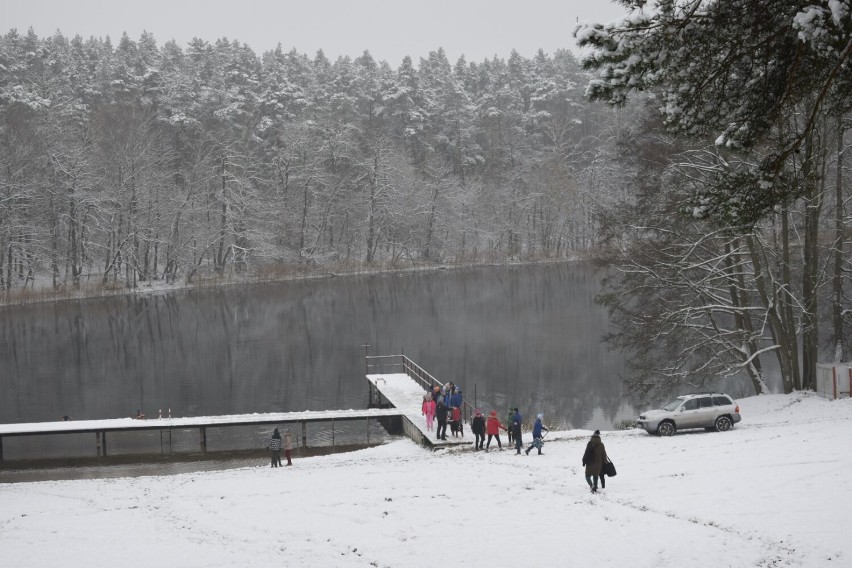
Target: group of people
[
  {"x": 492, "y": 426},
  {"x": 276, "y": 443},
  {"x": 482, "y": 426},
  {"x": 441, "y": 401},
  {"x": 444, "y": 404}
]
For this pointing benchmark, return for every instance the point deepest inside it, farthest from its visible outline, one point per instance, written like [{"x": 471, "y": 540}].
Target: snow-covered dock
[
  {"x": 101, "y": 427},
  {"x": 392, "y": 395},
  {"x": 405, "y": 393}
]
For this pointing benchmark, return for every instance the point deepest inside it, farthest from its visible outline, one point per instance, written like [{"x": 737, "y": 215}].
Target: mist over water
[{"x": 526, "y": 336}]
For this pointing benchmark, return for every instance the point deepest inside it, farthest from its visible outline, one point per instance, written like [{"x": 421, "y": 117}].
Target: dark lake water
[{"x": 526, "y": 336}]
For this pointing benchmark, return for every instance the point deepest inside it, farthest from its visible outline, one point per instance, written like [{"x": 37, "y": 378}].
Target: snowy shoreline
[
  {"x": 772, "y": 492},
  {"x": 44, "y": 291}
]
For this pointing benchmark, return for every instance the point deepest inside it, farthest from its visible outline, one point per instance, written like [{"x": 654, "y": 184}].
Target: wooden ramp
[{"x": 405, "y": 394}]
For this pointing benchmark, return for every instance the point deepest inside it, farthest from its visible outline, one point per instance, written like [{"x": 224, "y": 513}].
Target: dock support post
[
  {"x": 203, "y": 434},
  {"x": 163, "y": 440},
  {"x": 368, "y": 430},
  {"x": 332, "y": 432},
  {"x": 100, "y": 443},
  {"x": 1, "y": 448},
  {"x": 304, "y": 434}
]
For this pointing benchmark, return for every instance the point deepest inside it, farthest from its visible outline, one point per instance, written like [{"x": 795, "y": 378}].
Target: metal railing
[{"x": 403, "y": 364}]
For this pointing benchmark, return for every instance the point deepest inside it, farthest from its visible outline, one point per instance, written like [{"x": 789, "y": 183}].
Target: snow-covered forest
[
  {"x": 142, "y": 162},
  {"x": 699, "y": 151}
]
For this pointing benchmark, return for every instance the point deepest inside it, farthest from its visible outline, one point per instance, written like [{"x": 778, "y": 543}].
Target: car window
[
  {"x": 691, "y": 404},
  {"x": 673, "y": 404},
  {"x": 705, "y": 402},
  {"x": 722, "y": 400}
]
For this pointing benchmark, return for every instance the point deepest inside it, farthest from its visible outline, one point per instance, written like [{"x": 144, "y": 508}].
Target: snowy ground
[{"x": 773, "y": 492}]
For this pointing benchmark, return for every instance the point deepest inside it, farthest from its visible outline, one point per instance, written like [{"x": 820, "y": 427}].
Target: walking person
[
  {"x": 288, "y": 445},
  {"x": 517, "y": 420},
  {"x": 275, "y": 447},
  {"x": 429, "y": 411},
  {"x": 441, "y": 415},
  {"x": 537, "y": 437},
  {"x": 478, "y": 427},
  {"x": 492, "y": 427},
  {"x": 509, "y": 416},
  {"x": 594, "y": 458}
]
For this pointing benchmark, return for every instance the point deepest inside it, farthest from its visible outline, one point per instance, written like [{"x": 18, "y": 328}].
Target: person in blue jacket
[
  {"x": 537, "y": 437},
  {"x": 454, "y": 400}
]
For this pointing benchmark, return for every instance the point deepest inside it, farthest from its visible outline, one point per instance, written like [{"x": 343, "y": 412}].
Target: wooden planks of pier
[{"x": 405, "y": 394}]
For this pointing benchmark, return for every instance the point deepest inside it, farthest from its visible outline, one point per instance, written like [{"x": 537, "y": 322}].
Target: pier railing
[{"x": 378, "y": 364}]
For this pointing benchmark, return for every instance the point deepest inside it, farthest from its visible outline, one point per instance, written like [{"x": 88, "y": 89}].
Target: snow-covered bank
[
  {"x": 772, "y": 492},
  {"x": 42, "y": 289}
]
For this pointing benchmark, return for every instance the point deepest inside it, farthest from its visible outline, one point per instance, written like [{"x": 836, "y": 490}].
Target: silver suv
[{"x": 712, "y": 411}]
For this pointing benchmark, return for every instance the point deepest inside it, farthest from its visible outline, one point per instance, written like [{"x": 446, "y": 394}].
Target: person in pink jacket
[
  {"x": 429, "y": 411},
  {"x": 492, "y": 428}
]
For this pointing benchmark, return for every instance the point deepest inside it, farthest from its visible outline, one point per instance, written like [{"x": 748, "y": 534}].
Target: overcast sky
[{"x": 389, "y": 29}]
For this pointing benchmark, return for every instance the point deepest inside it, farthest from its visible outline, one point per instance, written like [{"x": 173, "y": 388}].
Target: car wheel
[
  {"x": 666, "y": 428},
  {"x": 723, "y": 424}
]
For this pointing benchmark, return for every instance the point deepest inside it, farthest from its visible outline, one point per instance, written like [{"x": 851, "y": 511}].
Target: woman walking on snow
[
  {"x": 593, "y": 459},
  {"x": 492, "y": 427}
]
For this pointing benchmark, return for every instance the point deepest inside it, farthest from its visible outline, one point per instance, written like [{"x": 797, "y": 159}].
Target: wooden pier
[
  {"x": 393, "y": 396},
  {"x": 404, "y": 391},
  {"x": 100, "y": 428}
]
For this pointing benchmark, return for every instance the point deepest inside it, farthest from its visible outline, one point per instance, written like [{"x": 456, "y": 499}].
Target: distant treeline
[{"x": 144, "y": 162}]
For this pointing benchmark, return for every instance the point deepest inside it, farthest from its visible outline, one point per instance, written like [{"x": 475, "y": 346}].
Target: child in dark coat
[
  {"x": 478, "y": 427},
  {"x": 275, "y": 447}
]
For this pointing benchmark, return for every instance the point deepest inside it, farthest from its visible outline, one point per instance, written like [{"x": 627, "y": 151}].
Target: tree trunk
[
  {"x": 785, "y": 304},
  {"x": 742, "y": 319},
  {"x": 839, "y": 240},
  {"x": 810, "y": 267},
  {"x": 223, "y": 223}
]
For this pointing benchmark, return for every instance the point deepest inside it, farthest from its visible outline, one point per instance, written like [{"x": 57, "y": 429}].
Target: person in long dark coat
[
  {"x": 594, "y": 466},
  {"x": 275, "y": 447},
  {"x": 441, "y": 415},
  {"x": 517, "y": 421},
  {"x": 478, "y": 427}
]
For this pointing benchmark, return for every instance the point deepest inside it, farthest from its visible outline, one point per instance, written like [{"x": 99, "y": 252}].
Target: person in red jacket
[
  {"x": 492, "y": 428},
  {"x": 456, "y": 422}
]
